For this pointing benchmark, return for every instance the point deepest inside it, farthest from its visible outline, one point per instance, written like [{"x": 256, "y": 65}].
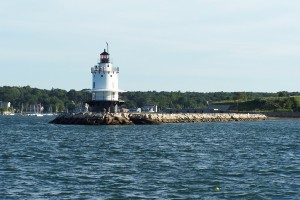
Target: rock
[{"x": 153, "y": 118}]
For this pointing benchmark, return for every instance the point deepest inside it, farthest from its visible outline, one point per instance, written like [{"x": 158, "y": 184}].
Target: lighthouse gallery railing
[{"x": 104, "y": 69}]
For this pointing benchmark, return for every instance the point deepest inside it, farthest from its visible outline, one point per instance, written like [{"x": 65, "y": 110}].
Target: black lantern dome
[{"x": 104, "y": 57}]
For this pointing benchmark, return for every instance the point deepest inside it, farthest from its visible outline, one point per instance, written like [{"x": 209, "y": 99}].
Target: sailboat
[{"x": 38, "y": 112}]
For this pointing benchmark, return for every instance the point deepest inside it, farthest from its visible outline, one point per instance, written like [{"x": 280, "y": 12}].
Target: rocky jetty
[
  {"x": 89, "y": 118},
  {"x": 151, "y": 118}
]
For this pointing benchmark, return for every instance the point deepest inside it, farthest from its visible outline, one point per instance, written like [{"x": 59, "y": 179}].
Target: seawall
[
  {"x": 283, "y": 114},
  {"x": 151, "y": 118}
]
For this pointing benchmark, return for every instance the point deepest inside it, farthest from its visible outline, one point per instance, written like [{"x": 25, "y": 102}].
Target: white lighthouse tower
[{"x": 105, "y": 89}]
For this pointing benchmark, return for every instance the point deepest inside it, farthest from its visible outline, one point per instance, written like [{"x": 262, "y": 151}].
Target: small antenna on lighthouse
[{"x": 107, "y": 46}]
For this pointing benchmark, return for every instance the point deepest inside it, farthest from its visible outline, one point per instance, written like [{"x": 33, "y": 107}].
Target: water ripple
[{"x": 238, "y": 160}]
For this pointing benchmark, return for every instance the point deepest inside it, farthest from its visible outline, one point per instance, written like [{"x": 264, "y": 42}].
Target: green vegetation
[
  {"x": 296, "y": 103},
  {"x": 6, "y": 109},
  {"x": 59, "y": 100},
  {"x": 276, "y": 104},
  {"x": 56, "y": 100}
]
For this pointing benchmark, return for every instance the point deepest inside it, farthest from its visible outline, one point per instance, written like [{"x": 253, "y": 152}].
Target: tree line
[
  {"x": 59, "y": 100},
  {"x": 56, "y": 100}
]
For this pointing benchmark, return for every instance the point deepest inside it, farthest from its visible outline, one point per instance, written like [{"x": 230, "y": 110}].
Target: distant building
[
  {"x": 211, "y": 109},
  {"x": 124, "y": 110},
  {"x": 5, "y": 108},
  {"x": 4, "y": 104},
  {"x": 152, "y": 108},
  {"x": 135, "y": 110},
  {"x": 81, "y": 107},
  {"x": 219, "y": 108},
  {"x": 187, "y": 110}
]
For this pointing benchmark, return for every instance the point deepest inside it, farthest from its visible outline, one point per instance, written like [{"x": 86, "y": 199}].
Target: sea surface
[{"x": 228, "y": 160}]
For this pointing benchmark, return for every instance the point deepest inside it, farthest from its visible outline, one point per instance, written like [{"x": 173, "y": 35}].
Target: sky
[{"x": 159, "y": 45}]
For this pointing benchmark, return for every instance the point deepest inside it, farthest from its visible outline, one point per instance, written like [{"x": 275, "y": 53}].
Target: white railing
[{"x": 104, "y": 69}]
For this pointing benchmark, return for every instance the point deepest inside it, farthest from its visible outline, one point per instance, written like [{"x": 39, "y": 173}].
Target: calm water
[{"x": 233, "y": 160}]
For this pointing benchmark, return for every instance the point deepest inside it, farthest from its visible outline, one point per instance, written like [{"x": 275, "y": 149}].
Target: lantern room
[{"x": 104, "y": 57}]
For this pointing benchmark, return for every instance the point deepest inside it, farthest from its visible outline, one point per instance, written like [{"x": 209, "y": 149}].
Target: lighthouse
[{"x": 105, "y": 89}]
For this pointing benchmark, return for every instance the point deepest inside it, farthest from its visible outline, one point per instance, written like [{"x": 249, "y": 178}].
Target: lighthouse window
[
  {"x": 101, "y": 75},
  {"x": 93, "y": 84},
  {"x": 110, "y": 75}
]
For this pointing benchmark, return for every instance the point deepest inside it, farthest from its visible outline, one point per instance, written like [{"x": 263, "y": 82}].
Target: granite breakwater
[{"x": 151, "y": 118}]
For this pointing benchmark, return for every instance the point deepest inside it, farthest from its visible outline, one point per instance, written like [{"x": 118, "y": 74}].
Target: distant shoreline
[
  {"x": 283, "y": 115},
  {"x": 283, "y": 118}
]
